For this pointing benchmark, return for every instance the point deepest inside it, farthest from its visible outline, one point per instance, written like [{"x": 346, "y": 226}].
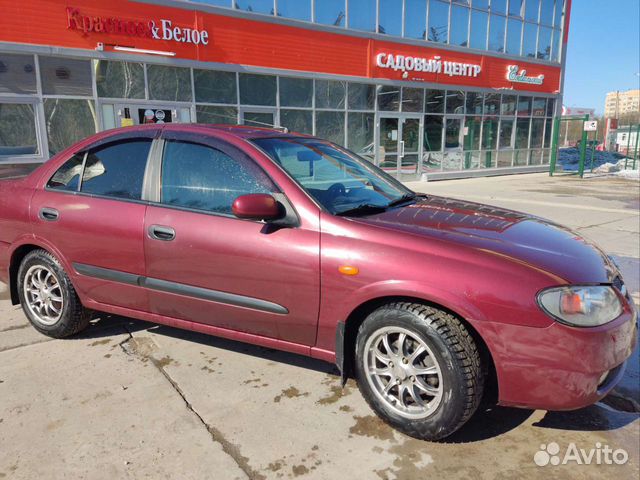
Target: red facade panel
[{"x": 241, "y": 41}]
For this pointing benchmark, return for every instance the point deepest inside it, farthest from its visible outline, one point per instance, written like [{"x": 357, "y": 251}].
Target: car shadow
[
  {"x": 598, "y": 417},
  {"x": 488, "y": 422},
  {"x": 103, "y": 325}
]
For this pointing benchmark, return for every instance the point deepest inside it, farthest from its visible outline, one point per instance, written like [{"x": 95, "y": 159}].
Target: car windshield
[{"x": 339, "y": 180}]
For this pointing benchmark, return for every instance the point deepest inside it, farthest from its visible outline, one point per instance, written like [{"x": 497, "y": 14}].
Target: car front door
[
  {"x": 207, "y": 266},
  {"x": 91, "y": 212}
]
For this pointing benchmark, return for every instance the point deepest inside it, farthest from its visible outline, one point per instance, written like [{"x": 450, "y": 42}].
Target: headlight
[{"x": 581, "y": 306}]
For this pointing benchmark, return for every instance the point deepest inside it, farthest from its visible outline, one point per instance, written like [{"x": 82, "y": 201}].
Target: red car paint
[{"x": 483, "y": 263}]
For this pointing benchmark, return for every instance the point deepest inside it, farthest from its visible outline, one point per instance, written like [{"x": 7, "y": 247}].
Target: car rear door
[
  {"x": 91, "y": 213},
  {"x": 207, "y": 266}
]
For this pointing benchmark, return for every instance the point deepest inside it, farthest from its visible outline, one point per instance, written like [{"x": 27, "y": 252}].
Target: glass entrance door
[
  {"x": 453, "y": 142},
  {"x": 400, "y": 145}
]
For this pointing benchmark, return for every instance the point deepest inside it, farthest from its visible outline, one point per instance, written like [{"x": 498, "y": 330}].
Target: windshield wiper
[
  {"x": 404, "y": 198},
  {"x": 362, "y": 209}
]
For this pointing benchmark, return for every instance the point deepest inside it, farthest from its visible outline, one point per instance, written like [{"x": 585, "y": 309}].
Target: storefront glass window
[
  {"x": 548, "y": 128},
  {"x": 539, "y": 107},
  {"x": 257, "y": 89},
  {"x": 492, "y": 104},
  {"x": 544, "y": 43},
  {"x": 558, "y": 17},
  {"x": 472, "y": 133},
  {"x": 389, "y": 98},
  {"x": 496, "y": 33},
  {"x": 505, "y": 159},
  {"x": 221, "y": 3},
  {"x": 546, "y": 12},
  {"x": 362, "y": 15},
  {"x": 68, "y": 121},
  {"x": 211, "y": 114},
  {"x": 296, "y": 92},
  {"x": 490, "y": 134},
  {"x": 434, "y": 101},
  {"x": 506, "y": 131},
  {"x": 514, "y": 36},
  {"x": 529, "y": 40},
  {"x": 17, "y": 74},
  {"x": 362, "y": 96},
  {"x": 360, "y": 128},
  {"x": 524, "y": 106},
  {"x": 508, "y": 106},
  {"x": 169, "y": 83},
  {"x": 551, "y": 103},
  {"x": 516, "y": 8},
  {"x": 64, "y": 76},
  {"x": 330, "y": 94},
  {"x": 330, "y": 12},
  {"x": 478, "y": 35},
  {"x": 17, "y": 129},
  {"x": 415, "y": 18},
  {"x": 459, "y": 26},
  {"x": 474, "y": 103},
  {"x": 438, "y": 21},
  {"x": 296, "y": 9},
  {"x": 455, "y": 102},
  {"x": 531, "y": 12},
  {"x": 256, "y": 6},
  {"x": 555, "y": 53},
  {"x": 432, "y": 133},
  {"x": 390, "y": 17},
  {"x": 412, "y": 99},
  {"x": 119, "y": 79},
  {"x": 499, "y": 6},
  {"x": 522, "y": 133},
  {"x": 330, "y": 126},
  {"x": 300, "y": 121},
  {"x": 215, "y": 87},
  {"x": 453, "y": 127},
  {"x": 537, "y": 131}
]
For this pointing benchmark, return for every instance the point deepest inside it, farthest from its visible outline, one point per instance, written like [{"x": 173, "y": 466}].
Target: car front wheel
[
  {"x": 419, "y": 369},
  {"x": 48, "y": 297}
]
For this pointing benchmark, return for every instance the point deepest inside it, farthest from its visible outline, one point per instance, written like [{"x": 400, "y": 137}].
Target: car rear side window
[
  {"x": 203, "y": 178},
  {"x": 67, "y": 177},
  {"x": 117, "y": 169}
]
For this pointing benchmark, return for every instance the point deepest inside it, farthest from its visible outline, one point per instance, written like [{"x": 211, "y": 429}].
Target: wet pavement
[{"x": 130, "y": 399}]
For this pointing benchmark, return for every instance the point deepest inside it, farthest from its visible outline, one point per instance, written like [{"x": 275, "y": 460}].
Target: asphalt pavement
[{"x": 128, "y": 399}]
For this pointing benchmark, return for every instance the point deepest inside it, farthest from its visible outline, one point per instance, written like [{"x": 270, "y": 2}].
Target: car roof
[{"x": 239, "y": 131}]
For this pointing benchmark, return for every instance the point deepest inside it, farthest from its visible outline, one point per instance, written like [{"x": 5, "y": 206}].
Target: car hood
[{"x": 537, "y": 242}]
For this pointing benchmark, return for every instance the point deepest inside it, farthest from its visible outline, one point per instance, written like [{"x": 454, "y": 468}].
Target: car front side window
[
  {"x": 201, "y": 177},
  {"x": 67, "y": 177}
]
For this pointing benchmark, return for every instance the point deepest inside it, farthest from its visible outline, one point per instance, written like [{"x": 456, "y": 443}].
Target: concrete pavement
[{"x": 128, "y": 399}]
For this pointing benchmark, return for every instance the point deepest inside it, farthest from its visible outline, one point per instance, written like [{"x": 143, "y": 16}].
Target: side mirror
[{"x": 257, "y": 206}]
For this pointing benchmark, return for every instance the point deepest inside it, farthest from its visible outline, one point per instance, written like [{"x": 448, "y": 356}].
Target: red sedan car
[{"x": 294, "y": 243}]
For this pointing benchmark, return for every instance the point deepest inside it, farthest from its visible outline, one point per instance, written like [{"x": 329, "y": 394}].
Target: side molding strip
[{"x": 180, "y": 289}]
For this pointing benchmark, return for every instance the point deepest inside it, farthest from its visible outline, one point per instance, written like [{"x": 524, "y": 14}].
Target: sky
[{"x": 604, "y": 51}]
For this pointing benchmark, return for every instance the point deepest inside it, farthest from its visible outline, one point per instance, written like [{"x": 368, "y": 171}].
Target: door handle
[
  {"x": 49, "y": 214},
  {"x": 401, "y": 148},
  {"x": 164, "y": 234}
]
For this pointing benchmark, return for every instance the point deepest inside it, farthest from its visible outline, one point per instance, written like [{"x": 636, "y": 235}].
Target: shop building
[{"x": 423, "y": 88}]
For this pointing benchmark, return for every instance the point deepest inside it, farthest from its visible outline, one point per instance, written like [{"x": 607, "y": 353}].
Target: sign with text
[{"x": 591, "y": 126}]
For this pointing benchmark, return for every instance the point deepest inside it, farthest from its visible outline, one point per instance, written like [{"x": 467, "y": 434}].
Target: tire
[
  {"x": 445, "y": 375},
  {"x": 60, "y": 314}
]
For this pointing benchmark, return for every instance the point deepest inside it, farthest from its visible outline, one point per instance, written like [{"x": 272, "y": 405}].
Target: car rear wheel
[
  {"x": 419, "y": 369},
  {"x": 48, "y": 297}
]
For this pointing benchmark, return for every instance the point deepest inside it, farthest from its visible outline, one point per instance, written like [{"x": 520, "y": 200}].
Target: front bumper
[{"x": 562, "y": 367}]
